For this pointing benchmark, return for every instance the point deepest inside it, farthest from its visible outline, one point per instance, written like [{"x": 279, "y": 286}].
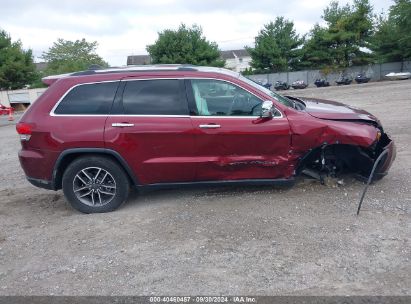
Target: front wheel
[{"x": 95, "y": 184}]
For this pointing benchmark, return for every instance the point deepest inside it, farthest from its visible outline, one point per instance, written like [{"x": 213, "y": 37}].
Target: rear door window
[
  {"x": 155, "y": 97},
  {"x": 88, "y": 99}
]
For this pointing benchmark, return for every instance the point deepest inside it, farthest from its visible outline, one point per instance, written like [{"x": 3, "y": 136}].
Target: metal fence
[{"x": 375, "y": 71}]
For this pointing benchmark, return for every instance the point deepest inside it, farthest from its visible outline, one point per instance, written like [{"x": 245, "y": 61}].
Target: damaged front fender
[{"x": 332, "y": 147}]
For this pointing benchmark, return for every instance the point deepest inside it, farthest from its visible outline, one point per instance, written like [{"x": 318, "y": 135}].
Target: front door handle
[
  {"x": 122, "y": 124},
  {"x": 210, "y": 126}
]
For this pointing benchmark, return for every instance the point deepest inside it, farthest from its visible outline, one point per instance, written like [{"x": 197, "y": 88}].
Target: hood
[{"x": 333, "y": 110}]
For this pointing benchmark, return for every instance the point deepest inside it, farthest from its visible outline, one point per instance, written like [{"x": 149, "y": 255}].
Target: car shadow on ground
[
  {"x": 302, "y": 183},
  {"x": 43, "y": 201}
]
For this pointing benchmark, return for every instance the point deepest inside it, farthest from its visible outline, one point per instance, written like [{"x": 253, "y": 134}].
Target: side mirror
[{"x": 267, "y": 109}]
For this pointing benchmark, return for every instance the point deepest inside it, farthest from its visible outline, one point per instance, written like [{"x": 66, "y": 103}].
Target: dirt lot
[{"x": 305, "y": 240}]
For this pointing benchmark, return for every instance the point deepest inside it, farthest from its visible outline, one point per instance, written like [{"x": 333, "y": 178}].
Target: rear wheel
[{"x": 95, "y": 184}]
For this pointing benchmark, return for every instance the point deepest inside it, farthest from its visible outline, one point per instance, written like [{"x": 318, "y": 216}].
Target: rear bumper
[
  {"x": 41, "y": 183},
  {"x": 38, "y": 167}
]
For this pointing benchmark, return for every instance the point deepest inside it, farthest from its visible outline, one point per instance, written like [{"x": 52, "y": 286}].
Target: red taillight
[{"x": 24, "y": 130}]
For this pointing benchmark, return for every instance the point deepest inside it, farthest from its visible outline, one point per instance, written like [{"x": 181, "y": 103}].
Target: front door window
[{"x": 220, "y": 98}]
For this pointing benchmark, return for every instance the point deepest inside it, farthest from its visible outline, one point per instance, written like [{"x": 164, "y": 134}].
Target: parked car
[
  {"x": 398, "y": 76},
  {"x": 281, "y": 85},
  {"x": 97, "y": 133},
  {"x": 299, "y": 84},
  {"x": 362, "y": 78},
  {"x": 321, "y": 82},
  {"x": 266, "y": 85},
  {"x": 344, "y": 80}
]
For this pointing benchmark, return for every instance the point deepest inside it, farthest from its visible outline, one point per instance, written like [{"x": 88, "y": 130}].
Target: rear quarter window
[{"x": 88, "y": 99}]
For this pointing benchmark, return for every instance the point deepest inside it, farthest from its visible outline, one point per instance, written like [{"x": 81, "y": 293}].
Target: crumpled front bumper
[{"x": 387, "y": 160}]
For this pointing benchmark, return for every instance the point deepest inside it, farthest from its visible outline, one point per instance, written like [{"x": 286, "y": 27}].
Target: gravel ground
[{"x": 304, "y": 240}]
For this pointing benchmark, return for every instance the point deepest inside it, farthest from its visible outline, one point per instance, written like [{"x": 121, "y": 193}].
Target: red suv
[{"x": 97, "y": 133}]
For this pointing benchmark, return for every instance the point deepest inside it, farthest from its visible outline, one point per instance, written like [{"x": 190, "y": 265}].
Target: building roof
[{"x": 234, "y": 54}]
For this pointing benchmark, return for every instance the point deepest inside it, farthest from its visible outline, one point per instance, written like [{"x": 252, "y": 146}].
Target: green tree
[
  {"x": 71, "y": 56},
  {"x": 316, "y": 52},
  {"x": 392, "y": 38},
  {"x": 276, "y": 47},
  {"x": 345, "y": 38},
  {"x": 333, "y": 13},
  {"x": 16, "y": 64},
  {"x": 248, "y": 71},
  {"x": 185, "y": 46}
]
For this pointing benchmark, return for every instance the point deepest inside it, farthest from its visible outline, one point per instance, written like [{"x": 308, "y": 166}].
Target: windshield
[{"x": 284, "y": 100}]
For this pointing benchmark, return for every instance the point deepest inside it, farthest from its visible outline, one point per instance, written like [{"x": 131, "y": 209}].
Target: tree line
[{"x": 348, "y": 35}]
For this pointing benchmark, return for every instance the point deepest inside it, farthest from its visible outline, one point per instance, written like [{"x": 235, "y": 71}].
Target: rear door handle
[
  {"x": 210, "y": 126},
  {"x": 122, "y": 124}
]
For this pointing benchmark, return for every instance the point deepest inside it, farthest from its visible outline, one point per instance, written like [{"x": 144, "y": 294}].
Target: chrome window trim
[
  {"x": 159, "y": 115},
  {"x": 154, "y": 115},
  {"x": 121, "y": 115},
  {"x": 237, "y": 117}
]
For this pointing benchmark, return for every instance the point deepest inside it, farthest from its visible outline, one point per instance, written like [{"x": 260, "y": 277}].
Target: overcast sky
[{"x": 125, "y": 27}]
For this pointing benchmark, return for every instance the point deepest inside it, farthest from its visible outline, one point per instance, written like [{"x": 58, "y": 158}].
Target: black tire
[{"x": 103, "y": 197}]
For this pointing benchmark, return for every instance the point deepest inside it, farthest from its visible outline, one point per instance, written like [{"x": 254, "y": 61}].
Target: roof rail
[
  {"x": 95, "y": 69},
  {"x": 137, "y": 68}
]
